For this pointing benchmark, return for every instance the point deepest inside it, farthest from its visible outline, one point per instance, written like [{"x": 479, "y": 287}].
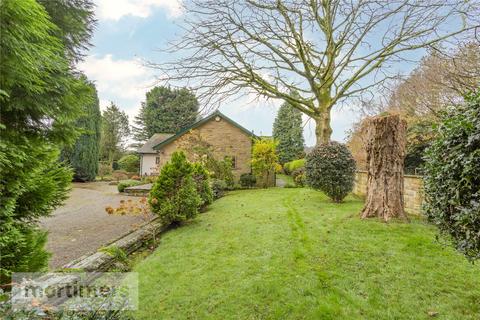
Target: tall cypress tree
[
  {"x": 165, "y": 110},
  {"x": 288, "y": 131},
  {"x": 83, "y": 157},
  {"x": 41, "y": 98}
]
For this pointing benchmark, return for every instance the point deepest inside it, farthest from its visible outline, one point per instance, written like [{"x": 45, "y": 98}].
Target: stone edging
[{"x": 101, "y": 261}]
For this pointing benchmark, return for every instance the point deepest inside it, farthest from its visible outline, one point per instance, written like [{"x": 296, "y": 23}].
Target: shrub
[
  {"x": 290, "y": 185},
  {"x": 236, "y": 186},
  {"x": 264, "y": 160},
  {"x": 104, "y": 169},
  {"x": 452, "y": 177},
  {"x": 129, "y": 163},
  {"x": 248, "y": 180},
  {"x": 119, "y": 175},
  {"x": 299, "y": 176},
  {"x": 218, "y": 188},
  {"x": 174, "y": 197},
  {"x": 291, "y": 166},
  {"x": 202, "y": 181},
  {"x": 127, "y": 183},
  {"x": 220, "y": 169},
  {"x": 331, "y": 169},
  {"x": 115, "y": 165},
  {"x": 149, "y": 179}
]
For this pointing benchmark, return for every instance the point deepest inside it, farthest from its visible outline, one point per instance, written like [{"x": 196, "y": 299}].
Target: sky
[{"x": 130, "y": 32}]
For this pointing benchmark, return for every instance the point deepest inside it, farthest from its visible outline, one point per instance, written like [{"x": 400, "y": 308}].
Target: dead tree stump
[{"x": 385, "y": 146}]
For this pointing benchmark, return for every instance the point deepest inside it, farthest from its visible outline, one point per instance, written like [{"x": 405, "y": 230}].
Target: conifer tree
[
  {"x": 115, "y": 132},
  {"x": 41, "y": 98},
  {"x": 165, "y": 110},
  {"x": 83, "y": 157},
  {"x": 288, "y": 131}
]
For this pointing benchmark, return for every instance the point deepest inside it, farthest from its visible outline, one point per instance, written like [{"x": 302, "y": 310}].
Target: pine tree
[
  {"x": 288, "y": 131},
  {"x": 83, "y": 157},
  {"x": 165, "y": 110}
]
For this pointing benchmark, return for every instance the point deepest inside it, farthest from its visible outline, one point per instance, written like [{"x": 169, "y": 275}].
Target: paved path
[{"x": 82, "y": 226}]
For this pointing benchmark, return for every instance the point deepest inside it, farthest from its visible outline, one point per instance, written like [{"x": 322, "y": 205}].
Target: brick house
[{"x": 223, "y": 136}]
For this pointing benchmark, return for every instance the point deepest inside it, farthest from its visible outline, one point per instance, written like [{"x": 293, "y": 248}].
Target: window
[
  {"x": 233, "y": 159},
  {"x": 157, "y": 160}
]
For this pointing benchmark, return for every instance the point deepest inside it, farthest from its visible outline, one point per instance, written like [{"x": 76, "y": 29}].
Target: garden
[{"x": 292, "y": 253}]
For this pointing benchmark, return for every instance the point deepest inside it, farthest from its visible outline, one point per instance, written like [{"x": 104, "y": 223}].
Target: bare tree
[
  {"x": 325, "y": 50},
  {"x": 441, "y": 79}
]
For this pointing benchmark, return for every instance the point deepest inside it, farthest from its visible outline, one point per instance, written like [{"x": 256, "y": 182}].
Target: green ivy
[{"x": 452, "y": 177}]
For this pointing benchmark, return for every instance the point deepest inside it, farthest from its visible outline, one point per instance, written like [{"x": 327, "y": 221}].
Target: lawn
[{"x": 290, "y": 253}]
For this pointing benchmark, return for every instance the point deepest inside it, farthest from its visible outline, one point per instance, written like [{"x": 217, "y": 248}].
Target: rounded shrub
[
  {"x": 202, "y": 181},
  {"x": 331, "y": 168},
  {"x": 119, "y": 175},
  {"x": 452, "y": 177},
  {"x": 174, "y": 197},
  {"x": 248, "y": 180}
]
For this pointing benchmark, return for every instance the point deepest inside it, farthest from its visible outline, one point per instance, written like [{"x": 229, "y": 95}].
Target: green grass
[{"x": 292, "y": 254}]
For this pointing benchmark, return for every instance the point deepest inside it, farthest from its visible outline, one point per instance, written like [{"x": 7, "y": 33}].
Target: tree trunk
[
  {"x": 323, "y": 130},
  {"x": 386, "y": 139}
]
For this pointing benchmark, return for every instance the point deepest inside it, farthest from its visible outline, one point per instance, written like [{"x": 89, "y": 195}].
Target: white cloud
[
  {"x": 124, "y": 82},
  {"x": 116, "y": 9}
]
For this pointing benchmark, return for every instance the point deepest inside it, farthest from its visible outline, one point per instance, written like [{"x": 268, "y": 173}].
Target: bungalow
[{"x": 223, "y": 136}]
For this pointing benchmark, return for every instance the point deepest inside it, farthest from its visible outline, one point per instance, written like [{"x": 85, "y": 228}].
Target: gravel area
[{"x": 82, "y": 225}]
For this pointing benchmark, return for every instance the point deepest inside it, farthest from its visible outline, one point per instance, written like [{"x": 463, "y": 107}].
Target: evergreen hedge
[{"x": 452, "y": 177}]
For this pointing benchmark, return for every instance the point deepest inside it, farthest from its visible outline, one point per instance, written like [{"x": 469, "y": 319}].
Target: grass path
[{"x": 292, "y": 254}]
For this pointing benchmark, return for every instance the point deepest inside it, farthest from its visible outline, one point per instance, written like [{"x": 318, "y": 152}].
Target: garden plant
[{"x": 330, "y": 168}]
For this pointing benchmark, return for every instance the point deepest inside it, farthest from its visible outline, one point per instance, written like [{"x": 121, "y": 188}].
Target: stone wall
[{"x": 413, "y": 194}]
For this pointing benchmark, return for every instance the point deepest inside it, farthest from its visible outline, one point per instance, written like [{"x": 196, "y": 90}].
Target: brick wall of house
[
  {"x": 413, "y": 191},
  {"x": 225, "y": 139}
]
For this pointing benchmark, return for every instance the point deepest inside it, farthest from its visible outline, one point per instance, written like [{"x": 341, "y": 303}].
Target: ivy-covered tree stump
[{"x": 385, "y": 147}]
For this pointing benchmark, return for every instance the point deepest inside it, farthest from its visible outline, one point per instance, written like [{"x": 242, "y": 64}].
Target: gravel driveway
[{"x": 82, "y": 226}]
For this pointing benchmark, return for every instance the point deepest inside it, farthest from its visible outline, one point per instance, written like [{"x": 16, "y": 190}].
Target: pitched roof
[
  {"x": 198, "y": 124},
  {"x": 153, "y": 141}
]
